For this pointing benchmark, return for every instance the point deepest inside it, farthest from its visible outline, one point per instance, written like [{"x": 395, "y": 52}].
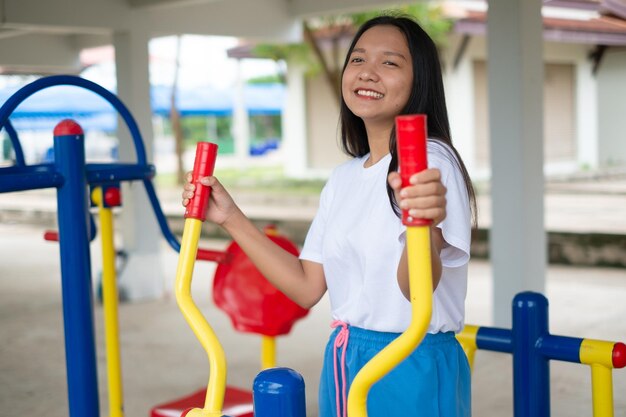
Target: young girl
[{"x": 355, "y": 247}]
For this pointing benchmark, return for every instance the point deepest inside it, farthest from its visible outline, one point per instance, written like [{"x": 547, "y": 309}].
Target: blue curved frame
[
  {"x": 17, "y": 146},
  {"x": 28, "y": 90},
  {"x": 70, "y": 175},
  {"x": 11, "y": 104}
]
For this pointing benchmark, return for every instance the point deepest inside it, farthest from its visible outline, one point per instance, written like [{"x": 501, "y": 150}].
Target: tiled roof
[{"x": 590, "y": 26}]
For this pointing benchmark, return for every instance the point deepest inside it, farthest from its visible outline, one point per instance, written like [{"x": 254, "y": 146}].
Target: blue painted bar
[
  {"x": 531, "y": 371},
  {"x": 156, "y": 207},
  {"x": 80, "y": 349},
  {"x": 561, "y": 348},
  {"x": 23, "y": 178},
  {"x": 112, "y": 173},
  {"x": 495, "y": 339},
  {"x": 279, "y": 392},
  {"x": 15, "y": 142}
]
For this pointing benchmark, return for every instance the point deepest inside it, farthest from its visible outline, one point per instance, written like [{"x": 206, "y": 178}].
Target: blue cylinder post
[
  {"x": 80, "y": 349},
  {"x": 279, "y": 392},
  {"x": 531, "y": 370}
]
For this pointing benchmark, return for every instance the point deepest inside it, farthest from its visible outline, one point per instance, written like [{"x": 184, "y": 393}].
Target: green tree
[{"x": 320, "y": 32}]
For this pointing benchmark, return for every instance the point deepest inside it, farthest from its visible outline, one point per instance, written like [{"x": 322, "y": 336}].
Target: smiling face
[{"x": 378, "y": 77}]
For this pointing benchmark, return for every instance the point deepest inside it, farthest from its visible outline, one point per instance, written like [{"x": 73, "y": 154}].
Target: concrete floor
[{"x": 162, "y": 360}]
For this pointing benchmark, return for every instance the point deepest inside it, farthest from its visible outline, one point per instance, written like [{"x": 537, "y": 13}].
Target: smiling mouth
[{"x": 369, "y": 93}]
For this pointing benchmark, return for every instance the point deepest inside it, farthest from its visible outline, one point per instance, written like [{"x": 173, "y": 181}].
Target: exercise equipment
[{"x": 279, "y": 392}]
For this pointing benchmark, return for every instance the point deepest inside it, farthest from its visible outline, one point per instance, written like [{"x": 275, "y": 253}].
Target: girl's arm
[
  {"x": 302, "y": 281},
  {"x": 436, "y": 243},
  {"x": 424, "y": 198}
]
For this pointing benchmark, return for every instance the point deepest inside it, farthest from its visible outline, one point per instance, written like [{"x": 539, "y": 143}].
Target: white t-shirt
[{"x": 359, "y": 240}]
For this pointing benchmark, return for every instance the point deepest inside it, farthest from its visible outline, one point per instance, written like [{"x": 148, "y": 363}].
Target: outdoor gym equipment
[
  {"x": 104, "y": 180},
  {"x": 71, "y": 175},
  {"x": 239, "y": 289},
  {"x": 532, "y": 347},
  {"x": 279, "y": 392},
  {"x": 254, "y": 306}
]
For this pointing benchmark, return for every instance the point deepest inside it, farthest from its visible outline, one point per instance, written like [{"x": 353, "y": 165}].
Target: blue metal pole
[
  {"x": 15, "y": 141},
  {"x": 80, "y": 349},
  {"x": 531, "y": 370},
  {"x": 279, "y": 392}
]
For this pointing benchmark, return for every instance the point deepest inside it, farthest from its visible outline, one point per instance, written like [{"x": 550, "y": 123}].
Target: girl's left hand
[{"x": 425, "y": 198}]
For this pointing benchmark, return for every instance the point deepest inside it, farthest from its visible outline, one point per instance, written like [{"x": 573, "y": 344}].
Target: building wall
[
  {"x": 581, "y": 110},
  {"x": 569, "y": 90},
  {"x": 612, "y": 108}
]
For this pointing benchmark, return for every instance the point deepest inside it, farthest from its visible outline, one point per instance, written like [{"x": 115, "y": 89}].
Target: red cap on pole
[
  {"x": 411, "y": 134},
  {"x": 67, "y": 127},
  {"x": 206, "y": 153}
]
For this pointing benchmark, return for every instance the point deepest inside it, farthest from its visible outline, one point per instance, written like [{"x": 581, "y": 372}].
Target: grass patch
[{"x": 255, "y": 179}]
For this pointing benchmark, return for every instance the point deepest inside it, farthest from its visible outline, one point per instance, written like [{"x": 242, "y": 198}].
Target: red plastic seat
[
  {"x": 237, "y": 403},
  {"x": 254, "y": 306}
]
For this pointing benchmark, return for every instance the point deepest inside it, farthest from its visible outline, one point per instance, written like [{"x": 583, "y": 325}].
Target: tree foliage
[{"x": 317, "y": 56}]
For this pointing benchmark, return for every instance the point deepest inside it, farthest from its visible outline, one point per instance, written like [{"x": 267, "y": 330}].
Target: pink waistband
[{"x": 341, "y": 341}]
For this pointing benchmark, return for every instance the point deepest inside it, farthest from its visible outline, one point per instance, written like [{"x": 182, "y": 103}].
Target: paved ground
[
  {"x": 162, "y": 360},
  {"x": 581, "y": 207}
]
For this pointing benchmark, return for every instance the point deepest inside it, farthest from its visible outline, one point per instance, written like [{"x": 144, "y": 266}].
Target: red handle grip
[
  {"x": 217, "y": 256},
  {"x": 411, "y": 143},
  {"x": 203, "y": 166},
  {"x": 51, "y": 236}
]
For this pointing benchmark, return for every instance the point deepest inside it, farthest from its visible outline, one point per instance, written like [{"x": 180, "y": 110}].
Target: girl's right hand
[{"x": 221, "y": 205}]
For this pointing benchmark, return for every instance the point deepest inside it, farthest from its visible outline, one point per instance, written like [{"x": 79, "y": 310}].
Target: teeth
[{"x": 369, "y": 93}]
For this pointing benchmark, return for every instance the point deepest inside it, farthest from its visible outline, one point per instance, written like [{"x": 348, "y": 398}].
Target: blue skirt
[{"x": 434, "y": 381}]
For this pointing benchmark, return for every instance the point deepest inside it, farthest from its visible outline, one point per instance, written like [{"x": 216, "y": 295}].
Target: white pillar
[
  {"x": 294, "y": 123},
  {"x": 587, "y": 120},
  {"x": 611, "y": 109},
  {"x": 142, "y": 278},
  {"x": 241, "y": 121},
  {"x": 515, "y": 70}
]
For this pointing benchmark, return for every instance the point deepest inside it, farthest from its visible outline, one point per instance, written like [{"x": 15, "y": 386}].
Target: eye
[
  {"x": 356, "y": 60},
  {"x": 390, "y": 63}
]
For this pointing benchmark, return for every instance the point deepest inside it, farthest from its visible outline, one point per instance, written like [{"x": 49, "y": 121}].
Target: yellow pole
[
  {"x": 217, "y": 360},
  {"x": 268, "y": 352},
  {"x": 599, "y": 355},
  {"x": 110, "y": 307},
  {"x": 602, "y": 390},
  {"x": 467, "y": 339},
  {"x": 421, "y": 287}
]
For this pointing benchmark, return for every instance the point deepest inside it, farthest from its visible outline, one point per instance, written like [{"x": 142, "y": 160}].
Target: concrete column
[
  {"x": 587, "y": 120},
  {"x": 611, "y": 109},
  {"x": 515, "y": 71},
  {"x": 241, "y": 121},
  {"x": 294, "y": 124},
  {"x": 142, "y": 278}
]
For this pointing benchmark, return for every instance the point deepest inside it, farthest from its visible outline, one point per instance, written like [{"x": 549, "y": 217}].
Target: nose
[{"x": 368, "y": 74}]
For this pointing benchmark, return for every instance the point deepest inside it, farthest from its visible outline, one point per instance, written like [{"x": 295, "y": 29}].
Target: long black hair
[{"x": 427, "y": 97}]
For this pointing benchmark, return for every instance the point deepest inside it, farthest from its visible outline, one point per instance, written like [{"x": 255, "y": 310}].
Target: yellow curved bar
[
  {"x": 421, "y": 287},
  {"x": 467, "y": 339},
  {"x": 217, "y": 360},
  {"x": 602, "y": 390},
  {"x": 599, "y": 355},
  {"x": 110, "y": 306},
  {"x": 268, "y": 352}
]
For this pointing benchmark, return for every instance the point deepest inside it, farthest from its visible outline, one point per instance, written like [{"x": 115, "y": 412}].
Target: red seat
[
  {"x": 237, "y": 403},
  {"x": 254, "y": 306}
]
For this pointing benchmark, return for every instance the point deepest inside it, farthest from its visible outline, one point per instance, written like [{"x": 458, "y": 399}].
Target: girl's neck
[{"x": 378, "y": 140}]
